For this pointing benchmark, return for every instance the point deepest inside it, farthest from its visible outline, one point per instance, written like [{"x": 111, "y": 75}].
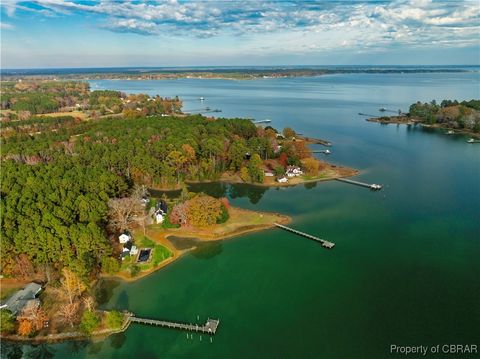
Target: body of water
[{"x": 406, "y": 264}]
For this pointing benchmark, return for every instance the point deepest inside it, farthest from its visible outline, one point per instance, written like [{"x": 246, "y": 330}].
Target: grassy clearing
[{"x": 159, "y": 254}]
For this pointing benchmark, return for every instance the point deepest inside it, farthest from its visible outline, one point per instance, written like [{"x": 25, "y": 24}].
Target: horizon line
[{"x": 230, "y": 66}]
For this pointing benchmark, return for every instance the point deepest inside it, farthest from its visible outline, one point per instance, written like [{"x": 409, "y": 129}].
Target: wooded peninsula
[
  {"x": 78, "y": 167},
  {"x": 462, "y": 117}
]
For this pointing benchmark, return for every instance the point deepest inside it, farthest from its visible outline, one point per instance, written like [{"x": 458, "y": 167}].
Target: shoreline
[
  {"x": 162, "y": 239},
  {"x": 351, "y": 172},
  {"x": 409, "y": 121}
]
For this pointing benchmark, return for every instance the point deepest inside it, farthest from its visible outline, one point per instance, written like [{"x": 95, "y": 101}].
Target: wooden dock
[
  {"x": 372, "y": 186},
  {"x": 324, "y": 243},
  {"x": 210, "y": 327}
]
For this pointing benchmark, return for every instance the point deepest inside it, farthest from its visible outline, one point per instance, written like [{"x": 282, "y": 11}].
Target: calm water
[{"x": 406, "y": 266}]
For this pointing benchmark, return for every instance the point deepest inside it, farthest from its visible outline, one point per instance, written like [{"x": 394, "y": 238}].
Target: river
[{"x": 405, "y": 269}]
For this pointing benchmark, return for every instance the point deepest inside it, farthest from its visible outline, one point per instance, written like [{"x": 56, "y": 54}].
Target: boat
[
  {"x": 201, "y": 98},
  {"x": 207, "y": 108},
  {"x": 450, "y": 132},
  {"x": 472, "y": 140},
  {"x": 382, "y": 109}
]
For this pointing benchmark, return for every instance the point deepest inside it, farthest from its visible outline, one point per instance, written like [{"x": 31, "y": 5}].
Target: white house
[
  {"x": 293, "y": 171},
  {"x": 124, "y": 238},
  {"x": 268, "y": 174},
  {"x": 282, "y": 180},
  {"x": 159, "y": 218}
]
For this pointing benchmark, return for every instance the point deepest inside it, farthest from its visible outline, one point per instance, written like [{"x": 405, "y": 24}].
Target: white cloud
[
  {"x": 5, "y": 26},
  {"x": 307, "y": 25}
]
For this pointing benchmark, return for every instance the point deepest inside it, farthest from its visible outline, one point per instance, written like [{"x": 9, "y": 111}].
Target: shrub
[
  {"x": 90, "y": 322},
  {"x": 114, "y": 319}
]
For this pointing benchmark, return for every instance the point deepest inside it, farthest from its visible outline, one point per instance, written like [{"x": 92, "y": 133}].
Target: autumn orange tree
[
  {"x": 25, "y": 328},
  {"x": 34, "y": 314},
  {"x": 311, "y": 166},
  {"x": 203, "y": 210}
]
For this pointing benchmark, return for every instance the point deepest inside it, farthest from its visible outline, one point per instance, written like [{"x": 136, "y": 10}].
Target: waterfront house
[
  {"x": 293, "y": 171},
  {"x": 26, "y": 296},
  {"x": 282, "y": 179}
]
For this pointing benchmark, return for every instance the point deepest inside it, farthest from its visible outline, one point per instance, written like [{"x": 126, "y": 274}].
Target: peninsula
[
  {"x": 78, "y": 167},
  {"x": 455, "y": 116}
]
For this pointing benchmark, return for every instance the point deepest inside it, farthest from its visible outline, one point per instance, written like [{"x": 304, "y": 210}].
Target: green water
[{"x": 405, "y": 269}]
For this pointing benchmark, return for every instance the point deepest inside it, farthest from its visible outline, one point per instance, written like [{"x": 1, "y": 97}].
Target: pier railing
[
  {"x": 324, "y": 243},
  {"x": 210, "y": 326}
]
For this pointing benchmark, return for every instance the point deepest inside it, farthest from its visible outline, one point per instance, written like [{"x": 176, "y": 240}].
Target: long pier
[
  {"x": 210, "y": 326},
  {"x": 324, "y": 243},
  {"x": 372, "y": 186}
]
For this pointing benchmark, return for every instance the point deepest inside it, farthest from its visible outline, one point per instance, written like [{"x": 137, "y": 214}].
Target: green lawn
[{"x": 159, "y": 254}]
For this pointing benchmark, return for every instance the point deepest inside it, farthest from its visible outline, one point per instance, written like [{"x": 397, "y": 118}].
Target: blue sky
[{"x": 58, "y": 33}]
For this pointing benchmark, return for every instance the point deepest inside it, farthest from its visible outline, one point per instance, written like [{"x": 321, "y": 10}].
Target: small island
[
  {"x": 78, "y": 167},
  {"x": 456, "y": 117}
]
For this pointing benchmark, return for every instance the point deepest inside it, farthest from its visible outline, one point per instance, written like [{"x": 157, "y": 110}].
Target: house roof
[
  {"x": 19, "y": 299},
  {"x": 128, "y": 245}
]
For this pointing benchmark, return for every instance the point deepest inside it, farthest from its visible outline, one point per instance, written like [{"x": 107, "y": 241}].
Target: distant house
[
  {"x": 124, "y": 238},
  {"x": 282, "y": 179},
  {"x": 269, "y": 174},
  {"x": 293, "y": 171},
  {"x": 26, "y": 296}
]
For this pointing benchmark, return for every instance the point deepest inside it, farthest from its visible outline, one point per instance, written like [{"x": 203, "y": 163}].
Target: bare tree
[
  {"x": 69, "y": 313},
  {"x": 125, "y": 212},
  {"x": 72, "y": 287},
  {"x": 35, "y": 314},
  {"x": 89, "y": 303},
  {"x": 140, "y": 191}
]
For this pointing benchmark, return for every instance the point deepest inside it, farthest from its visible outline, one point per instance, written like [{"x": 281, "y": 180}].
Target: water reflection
[
  {"x": 208, "y": 250},
  {"x": 104, "y": 290},
  {"x": 203, "y": 250},
  {"x": 42, "y": 351},
  {"x": 117, "y": 340},
  {"x": 218, "y": 190},
  {"x": 95, "y": 348},
  {"x": 75, "y": 346},
  {"x": 122, "y": 301},
  {"x": 11, "y": 351}
]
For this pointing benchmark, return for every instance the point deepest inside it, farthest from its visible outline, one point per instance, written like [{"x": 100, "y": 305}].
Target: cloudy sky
[{"x": 59, "y": 33}]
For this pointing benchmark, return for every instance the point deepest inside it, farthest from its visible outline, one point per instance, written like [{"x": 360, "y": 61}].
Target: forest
[
  {"x": 56, "y": 184},
  {"x": 24, "y": 100}
]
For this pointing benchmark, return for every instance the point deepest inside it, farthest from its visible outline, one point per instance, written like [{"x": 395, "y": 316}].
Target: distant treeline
[
  {"x": 24, "y": 99},
  {"x": 247, "y": 73}
]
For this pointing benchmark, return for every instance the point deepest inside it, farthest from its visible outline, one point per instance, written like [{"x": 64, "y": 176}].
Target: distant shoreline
[{"x": 212, "y": 73}]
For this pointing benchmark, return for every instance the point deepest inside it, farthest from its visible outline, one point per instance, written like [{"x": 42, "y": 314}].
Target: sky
[{"x": 60, "y": 33}]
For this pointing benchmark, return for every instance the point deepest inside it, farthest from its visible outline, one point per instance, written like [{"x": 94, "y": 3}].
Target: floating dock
[
  {"x": 324, "y": 243},
  {"x": 210, "y": 327},
  {"x": 372, "y": 186}
]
